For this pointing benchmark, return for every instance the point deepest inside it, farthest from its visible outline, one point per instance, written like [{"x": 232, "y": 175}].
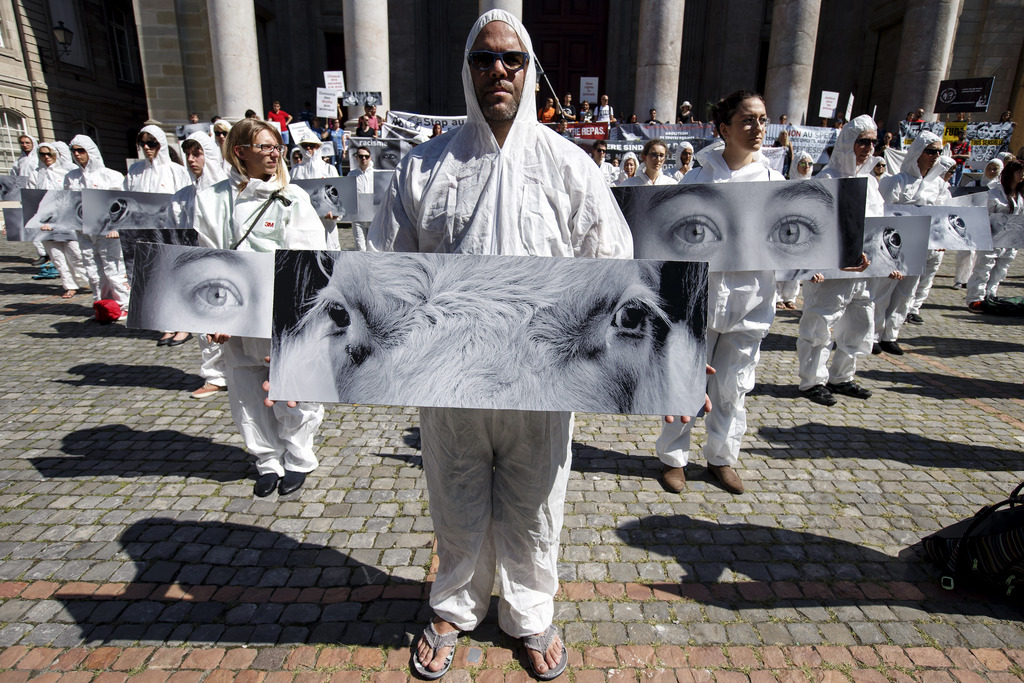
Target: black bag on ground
[
  {"x": 1004, "y": 305},
  {"x": 985, "y": 552}
]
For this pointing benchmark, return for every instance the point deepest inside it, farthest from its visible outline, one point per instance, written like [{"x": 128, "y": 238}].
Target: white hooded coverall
[
  {"x": 280, "y": 437},
  {"x": 894, "y": 298},
  {"x": 364, "y": 186},
  {"x": 159, "y": 175},
  {"x": 741, "y": 307},
  {"x": 840, "y": 307},
  {"x": 65, "y": 256},
  {"x": 497, "y": 478},
  {"x": 183, "y": 206},
  {"x": 25, "y": 166},
  {"x": 313, "y": 166},
  {"x": 990, "y": 267},
  {"x": 104, "y": 262}
]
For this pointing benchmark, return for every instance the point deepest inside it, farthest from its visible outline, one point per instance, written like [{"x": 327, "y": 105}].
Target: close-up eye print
[
  {"x": 201, "y": 290},
  {"x": 502, "y": 332},
  {"x": 749, "y": 226}
]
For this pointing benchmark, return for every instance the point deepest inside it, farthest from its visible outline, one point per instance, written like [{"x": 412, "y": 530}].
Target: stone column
[
  {"x": 659, "y": 49},
  {"x": 787, "y": 87},
  {"x": 367, "y": 64},
  {"x": 513, "y": 6},
  {"x": 236, "y": 65},
  {"x": 925, "y": 48}
]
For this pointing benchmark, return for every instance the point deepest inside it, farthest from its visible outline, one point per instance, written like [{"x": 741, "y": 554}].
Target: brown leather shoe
[
  {"x": 728, "y": 477},
  {"x": 674, "y": 478}
]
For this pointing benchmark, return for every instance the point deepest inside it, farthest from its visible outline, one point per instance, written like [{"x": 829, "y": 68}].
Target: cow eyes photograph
[
  {"x": 201, "y": 290},
  {"x": 500, "y": 332},
  {"x": 105, "y": 211},
  {"x": 336, "y": 196},
  {"x": 749, "y": 226},
  {"x": 51, "y": 215},
  {"x": 958, "y": 228}
]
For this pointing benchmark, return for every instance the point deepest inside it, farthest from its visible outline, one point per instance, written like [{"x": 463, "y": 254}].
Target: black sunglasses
[
  {"x": 513, "y": 60},
  {"x": 932, "y": 152},
  {"x": 362, "y": 156},
  {"x": 150, "y": 144}
]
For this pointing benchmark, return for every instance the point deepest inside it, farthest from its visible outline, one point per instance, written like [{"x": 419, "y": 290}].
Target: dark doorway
[{"x": 570, "y": 38}]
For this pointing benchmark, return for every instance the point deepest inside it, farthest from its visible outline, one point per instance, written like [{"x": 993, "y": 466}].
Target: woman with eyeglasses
[
  {"x": 66, "y": 257},
  {"x": 918, "y": 182},
  {"x": 256, "y": 209},
  {"x": 740, "y": 304},
  {"x": 652, "y": 160},
  {"x": 101, "y": 254}
]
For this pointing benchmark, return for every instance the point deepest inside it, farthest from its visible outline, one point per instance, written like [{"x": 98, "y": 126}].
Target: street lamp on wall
[{"x": 63, "y": 35}]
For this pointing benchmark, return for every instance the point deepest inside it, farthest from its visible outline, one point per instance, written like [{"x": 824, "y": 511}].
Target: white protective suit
[
  {"x": 160, "y": 175},
  {"x": 839, "y": 307},
  {"x": 104, "y": 262},
  {"x": 965, "y": 260},
  {"x": 313, "y": 166},
  {"x": 497, "y": 478},
  {"x": 182, "y": 209},
  {"x": 25, "y": 165},
  {"x": 622, "y": 168},
  {"x": 66, "y": 257},
  {"x": 678, "y": 175},
  {"x": 641, "y": 179},
  {"x": 990, "y": 267},
  {"x": 894, "y": 298},
  {"x": 364, "y": 186},
  {"x": 741, "y": 307},
  {"x": 280, "y": 437}
]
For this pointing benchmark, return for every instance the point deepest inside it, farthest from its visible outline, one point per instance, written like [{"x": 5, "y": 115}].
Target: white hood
[
  {"x": 844, "y": 157},
  {"x": 95, "y": 162},
  {"x": 49, "y": 177},
  {"x": 213, "y": 170},
  {"x": 163, "y": 157},
  {"x": 794, "y": 166},
  {"x": 914, "y": 151}
]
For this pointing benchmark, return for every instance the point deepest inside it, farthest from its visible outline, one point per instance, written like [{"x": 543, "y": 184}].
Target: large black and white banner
[
  {"x": 987, "y": 138},
  {"x": 385, "y": 154},
  {"x": 51, "y": 215},
  {"x": 749, "y": 226},
  {"x": 957, "y": 228},
  {"x": 106, "y": 211},
  {"x": 11, "y": 187},
  {"x": 422, "y": 124},
  {"x": 891, "y": 243},
  {"x": 499, "y": 332},
  {"x": 1007, "y": 231},
  {"x": 195, "y": 289}
]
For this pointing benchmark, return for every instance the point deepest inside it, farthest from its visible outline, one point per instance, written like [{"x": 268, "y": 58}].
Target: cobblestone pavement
[{"x": 131, "y": 545}]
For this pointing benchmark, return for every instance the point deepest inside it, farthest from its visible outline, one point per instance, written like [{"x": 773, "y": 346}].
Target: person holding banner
[
  {"x": 840, "y": 307},
  {"x": 497, "y": 478},
  {"x": 104, "y": 261},
  {"x": 990, "y": 267},
  {"x": 740, "y": 305},
  {"x": 255, "y": 209},
  {"x": 652, "y": 160},
  {"x": 918, "y": 182}
]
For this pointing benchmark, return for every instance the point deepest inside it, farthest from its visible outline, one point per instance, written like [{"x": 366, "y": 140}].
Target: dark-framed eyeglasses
[
  {"x": 267, "y": 149},
  {"x": 512, "y": 60},
  {"x": 865, "y": 142},
  {"x": 655, "y": 155}
]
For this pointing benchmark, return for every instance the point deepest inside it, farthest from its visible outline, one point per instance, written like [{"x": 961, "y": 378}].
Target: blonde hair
[{"x": 244, "y": 133}]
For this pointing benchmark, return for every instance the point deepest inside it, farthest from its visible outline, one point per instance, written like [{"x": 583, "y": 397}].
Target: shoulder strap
[{"x": 274, "y": 196}]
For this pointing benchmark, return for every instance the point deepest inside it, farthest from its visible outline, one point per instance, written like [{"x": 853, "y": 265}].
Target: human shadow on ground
[
  {"x": 245, "y": 585},
  {"x": 123, "y": 375},
  {"x": 587, "y": 459},
  {"x": 87, "y": 328},
  {"x": 737, "y": 566},
  {"x": 937, "y": 385},
  {"x": 816, "y": 440},
  {"x": 120, "y": 451},
  {"x": 74, "y": 308},
  {"x": 955, "y": 347}
]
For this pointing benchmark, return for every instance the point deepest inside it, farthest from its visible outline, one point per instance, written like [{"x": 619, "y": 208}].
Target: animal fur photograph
[
  {"x": 105, "y": 211},
  {"x": 336, "y": 196},
  {"x": 1007, "y": 231},
  {"x": 749, "y": 226},
  {"x": 957, "y": 228},
  {"x": 498, "y": 332},
  {"x": 195, "y": 289},
  {"x": 51, "y": 215},
  {"x": 890, "y": 243}
]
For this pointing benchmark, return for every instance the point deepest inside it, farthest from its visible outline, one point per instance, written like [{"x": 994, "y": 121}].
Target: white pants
[
  {"x": 497, "y": 481},
  {"x": 964, "y": 266},
  {"x": 924, "y": 284},
  {"x": 66, "y": 257},
  {"x": 842, "y": 308},
  {"x": 280, "y": 437},
  {"x": 787, "y": 291},
  {"x": 990, "y": 268},
  {"x": 104, "y": 266},
  {"x": 40, "y": 249},
  {"x": 212, "y": 370},
  {"x": 892, "y": 300},
  {"x": 734, "y": 356},
  {"x": 359, "y": 231},
  {"x": 331, "y": 234}
]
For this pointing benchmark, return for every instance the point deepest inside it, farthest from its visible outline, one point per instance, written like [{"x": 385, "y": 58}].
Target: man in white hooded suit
[{"x": 501, "y": 184}]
